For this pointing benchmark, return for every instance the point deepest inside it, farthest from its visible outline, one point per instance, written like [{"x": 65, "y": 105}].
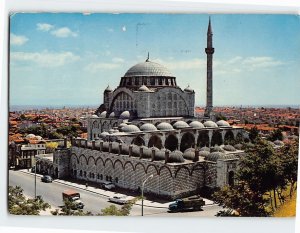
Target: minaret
[{"x": 209, "y": 87}]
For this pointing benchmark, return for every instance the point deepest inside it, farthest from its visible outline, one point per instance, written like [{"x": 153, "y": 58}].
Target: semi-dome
[
  {"x": 104, "y": 134},
  {"x": 125, "y": 115},
  {"x": 180, "y": 125},
  {"x": 219, "y": 155},
  {"x": 238, "y": 146},
  {"x": 160, "y": 154},
  {"x": 112, "y": 115},
  {"x": 148, "y": 127},
  {"x": 205, "y": 148},
  {"x": 222, "y": 123},
  {"x": 176, "y": 157},
  {"x": 122, "y": 125},
  {"x": 189, "y": 154},
  {"x": 217, "y": 149},
  {"x": 136, "y": 151},
  {"x": 103, "y": 114},
  {"x": 229, "y": 148},
  {"x": 40, "y": 138},
  {"x": 148, "y": 68},
  {"x": 94, "y": 116},
  {"x": 108, "y": 89},
  {"x": 165, "y": 126},
  {"x": 130, "y": 129},
  {"x": 196, "y": 125},
  {"x": 210, "y": 124},
  {"x": 204, "y": 153},
  {"x": 147, "y": 152},
  {"x": 143, "y": 88},
  {"x": 188, "y": 89}
]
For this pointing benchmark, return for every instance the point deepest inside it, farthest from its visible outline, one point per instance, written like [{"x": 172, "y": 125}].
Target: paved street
[{"x": 94, "y": 202}]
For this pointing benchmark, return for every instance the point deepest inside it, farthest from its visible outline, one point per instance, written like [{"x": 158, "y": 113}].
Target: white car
[{"x": 119, "y": 199}]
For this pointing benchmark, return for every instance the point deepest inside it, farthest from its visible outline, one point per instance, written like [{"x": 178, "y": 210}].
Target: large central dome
[{"x": 148, "y": 69}]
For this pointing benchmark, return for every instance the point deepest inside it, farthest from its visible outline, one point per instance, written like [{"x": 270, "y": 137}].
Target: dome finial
[{"x": 147, "y": 57}]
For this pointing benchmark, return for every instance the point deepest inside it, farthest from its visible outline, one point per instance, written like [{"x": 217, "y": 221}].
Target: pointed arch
[
  {"x": 187, "y": 141},
  {"x": 155, "y": 141},
  {"x": 171, "y": 142}
]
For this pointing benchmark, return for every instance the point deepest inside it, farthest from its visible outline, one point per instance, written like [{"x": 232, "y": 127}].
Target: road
[{"x": 52, "y": 193}]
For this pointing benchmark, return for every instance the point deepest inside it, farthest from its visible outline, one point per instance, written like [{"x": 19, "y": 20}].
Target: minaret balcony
[{"x": 209, "y": 50}]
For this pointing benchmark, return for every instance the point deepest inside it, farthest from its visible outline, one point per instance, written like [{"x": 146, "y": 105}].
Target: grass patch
[{"x": 288, "y": 209}]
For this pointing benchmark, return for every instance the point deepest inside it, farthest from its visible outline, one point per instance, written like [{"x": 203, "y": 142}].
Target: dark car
[{"x": 46, "y": 179}]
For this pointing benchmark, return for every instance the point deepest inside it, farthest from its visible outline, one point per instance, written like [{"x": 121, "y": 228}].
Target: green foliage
[
  {"x": 253, "y": 134},
  {"x": 112, "y": 210},
  {"x": 276, "y": 135},
  {"x": 262, "y": 178},
  {"x": 220, "y": 117},
  {"x": 289, "y": 163},
  {"x": 70, "y": 209},
  {"x": 18, "y": 204},
  {"x": 242, "y": 199},
  {"x": 260, "y": 168},
  {"x": 54, "y": 135},
  {"x": 70, "y": 131}
]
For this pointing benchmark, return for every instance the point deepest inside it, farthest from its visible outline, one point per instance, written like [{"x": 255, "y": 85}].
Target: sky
[{"x": 70, "y": 58}]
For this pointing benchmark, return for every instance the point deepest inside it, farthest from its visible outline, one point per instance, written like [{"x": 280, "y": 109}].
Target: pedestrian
[{"x": 86, "y": 185}]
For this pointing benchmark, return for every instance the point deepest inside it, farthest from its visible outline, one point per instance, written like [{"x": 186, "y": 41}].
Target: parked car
[
  {"x": 119, "y": 199},
  {"x": 108, "y": 185},
  {"x": 47, "y": 179}
]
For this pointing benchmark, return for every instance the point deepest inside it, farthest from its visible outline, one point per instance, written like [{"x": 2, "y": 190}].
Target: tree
[
  {"x": 261, "y": 169},
  {"x": 253, "y": 133},
  {"x": 112, "y": 210},
  {"x": 276, "y": 135},
  {"x": 18, "y": 204},
  {"x": 69, "y": 209},
  {"x": 289, "y": 163},
  {"x": 242, "y": 199}
]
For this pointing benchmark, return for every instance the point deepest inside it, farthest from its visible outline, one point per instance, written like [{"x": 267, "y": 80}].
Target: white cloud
[
  {"x": 95, "y": 67},
  {"x": 44, "y": 27},
  {"x": 124, "y": 28},
  {"x": 261, "y": 62},
  {"x": 245, "y": 64},
  {"x": 110, "y": 29},
  {"x": 18, "y": 40},
  {"x": 44, "y": 59},
  {"x": 195, "y": 63},
  {"x": 64, "y": 32},
  {"x": 118, "y": 60}
]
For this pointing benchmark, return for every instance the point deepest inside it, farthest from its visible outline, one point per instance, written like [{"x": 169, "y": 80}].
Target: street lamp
[{"x": 143, "y": 193}]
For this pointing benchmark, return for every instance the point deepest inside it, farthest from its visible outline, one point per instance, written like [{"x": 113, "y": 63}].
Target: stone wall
[{"x": 170, "y": 180}]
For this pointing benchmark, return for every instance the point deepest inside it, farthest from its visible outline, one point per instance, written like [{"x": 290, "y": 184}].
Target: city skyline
[{"x": 69, "y": 59}]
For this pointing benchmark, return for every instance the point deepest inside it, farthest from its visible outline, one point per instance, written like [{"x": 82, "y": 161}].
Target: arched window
[{"x": 231, "y": 178}]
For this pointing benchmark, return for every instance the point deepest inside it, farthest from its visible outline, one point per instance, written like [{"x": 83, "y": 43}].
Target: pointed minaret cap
[
  {"x": 209, "y": 31},
  {"x": 147, "y": 57},
  {"x": 108, "y": 89}
]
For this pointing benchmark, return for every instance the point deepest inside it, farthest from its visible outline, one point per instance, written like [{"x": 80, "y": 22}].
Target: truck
[
  {"x": 74, "y": 197},
  {"x": 188, "y": 203}
]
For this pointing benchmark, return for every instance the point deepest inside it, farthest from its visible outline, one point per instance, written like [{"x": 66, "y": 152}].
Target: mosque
[{"x": 146, "y": 126}]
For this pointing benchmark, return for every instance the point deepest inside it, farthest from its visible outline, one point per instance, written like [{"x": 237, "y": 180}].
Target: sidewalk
[{"x": 108, "y": 194}]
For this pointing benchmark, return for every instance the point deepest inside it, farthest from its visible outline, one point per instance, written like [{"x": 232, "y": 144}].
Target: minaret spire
[
  {"x": 209, "y": 31},
  {"x": 147, "y": 57},
  {"x": 209, "y": 50}
]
